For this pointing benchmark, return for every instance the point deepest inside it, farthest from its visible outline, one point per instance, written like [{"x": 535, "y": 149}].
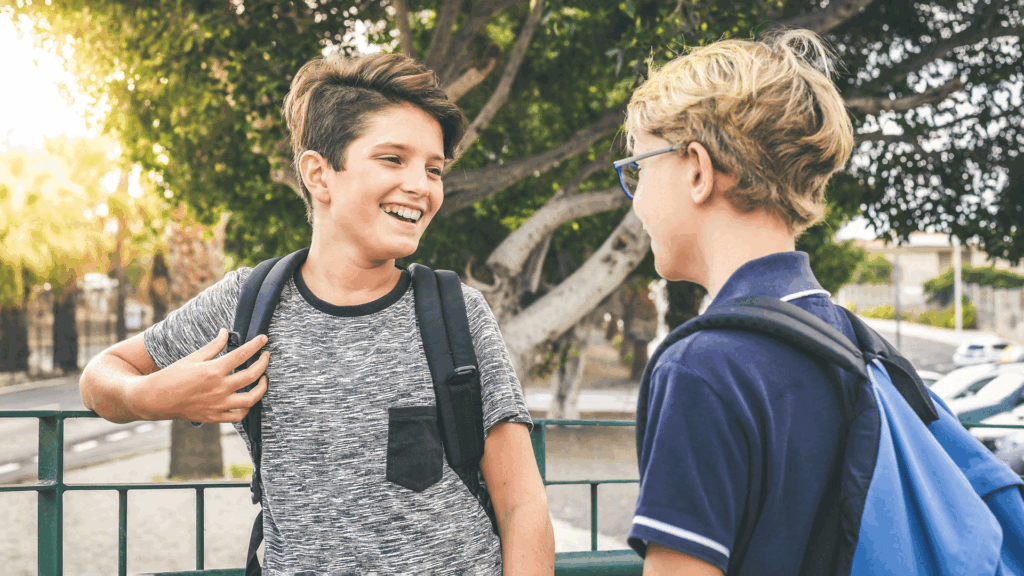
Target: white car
[
  {"x": 1006, "y": 443},
  {"x": 964, "y": 382},
  {"x": 980, "y": 350}
]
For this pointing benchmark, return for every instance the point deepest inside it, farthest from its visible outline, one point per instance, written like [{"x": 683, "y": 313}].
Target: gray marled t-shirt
[{"x": 334, "y": 374}]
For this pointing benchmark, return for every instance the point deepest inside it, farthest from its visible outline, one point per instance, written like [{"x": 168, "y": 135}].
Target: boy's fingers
[
  {"x": 236, "y": 358},
  {"x": 247, "y": 399},
  {"x": 249, "y": 375},
  {"x": 213, "y": 347}
]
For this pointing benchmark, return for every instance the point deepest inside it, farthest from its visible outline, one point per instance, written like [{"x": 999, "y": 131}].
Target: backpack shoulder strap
[
  {"x": 902, "y": 373},
  {"x": 785, "y": 322},
  {"x": 260, "y": 294},
  {"x": 448, "y": 343}
]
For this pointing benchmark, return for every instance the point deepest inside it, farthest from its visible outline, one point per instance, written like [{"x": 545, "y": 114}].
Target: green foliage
[
  {"x": 940, "y": 288},
  {"x": 832, "y": 262},
  {"x": 882, "y": 311},
  {"x": 874, "y": 270},
  {"x": 946, "y": 318},
  {"x": 239, "y": 471}
]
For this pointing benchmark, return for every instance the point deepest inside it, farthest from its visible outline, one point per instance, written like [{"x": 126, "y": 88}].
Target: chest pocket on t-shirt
[{"x": 415, "y": 453}]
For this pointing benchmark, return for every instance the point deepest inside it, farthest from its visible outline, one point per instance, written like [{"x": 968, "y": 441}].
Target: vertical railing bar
[
  {"x": 593, "y": 515},
  {"x": 50, "y": 519},
  {"x": 200, "y": 527},
  {"x": 122, "y": 531},
  {"x": 539, "y": 440}
]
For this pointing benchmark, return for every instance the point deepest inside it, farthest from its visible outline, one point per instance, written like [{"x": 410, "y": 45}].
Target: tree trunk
[
  {"x": 684, "y": 300},
  {"x": 121, "y": 329},
  {"x": 159, "y": 287},
  {"x": 14, "y": 339},
  {"x": 195, "y": 451},
  {"x": 636, "y": 370},
  {"x": 195, "y": 261},
  {"x": 65, "y": 331}
]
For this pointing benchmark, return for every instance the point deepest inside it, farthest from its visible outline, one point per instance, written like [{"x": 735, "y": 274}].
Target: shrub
[
  {"x": 940, "y": 288},
  {"x": 884, "y": 312},
  {"x": 946, "y": 318},
  {"x": 874, "y": 270}
]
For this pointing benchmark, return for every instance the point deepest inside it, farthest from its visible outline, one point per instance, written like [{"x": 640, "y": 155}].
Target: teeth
[{"x": 402, "y": 211}]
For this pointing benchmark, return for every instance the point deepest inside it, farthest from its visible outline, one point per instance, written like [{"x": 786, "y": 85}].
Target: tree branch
[
  {"x": 874, "y": 105},
  {"x": 939, "y": 50},
  {"x": 404, "y": 27},
  {"x": 826, "y": 19},
  {"x": 602, "y": 162},
  {"x": 500, "y": 95},
  {"x": 471, "y": 77},
  {"x": 462, "y": 189},
  {"x": 464, "y": 37},
  {"x": 442, "y": 35},
  {"x": 510, "y": 257},
  {"x": 562, "y": 308},
  {"x": 891, "y": 139}
]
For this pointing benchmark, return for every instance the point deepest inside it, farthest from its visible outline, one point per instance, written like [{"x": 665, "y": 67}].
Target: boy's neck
[
  {"x": 731, "y": 243},
  {"x": 338, "y": 276}
]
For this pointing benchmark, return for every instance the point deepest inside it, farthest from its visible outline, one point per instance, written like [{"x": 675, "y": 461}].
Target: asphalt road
[{"x": 574, "y": 453}]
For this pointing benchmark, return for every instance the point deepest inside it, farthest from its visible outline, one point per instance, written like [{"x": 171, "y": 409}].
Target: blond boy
[{"x": 735, "y": 143}]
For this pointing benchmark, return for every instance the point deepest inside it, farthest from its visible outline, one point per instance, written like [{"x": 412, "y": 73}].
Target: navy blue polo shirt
[{"x": 741, "y": 435}]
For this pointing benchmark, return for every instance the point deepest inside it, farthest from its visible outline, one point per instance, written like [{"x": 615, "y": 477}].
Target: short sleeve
[
  {"x": 693, "y": 469},
  {"x": 195, "y": 324},
  {"x": 502, "y": 394}
]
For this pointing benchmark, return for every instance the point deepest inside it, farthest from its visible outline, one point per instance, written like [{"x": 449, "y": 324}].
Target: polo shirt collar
[{"x": 780, "y": 275}]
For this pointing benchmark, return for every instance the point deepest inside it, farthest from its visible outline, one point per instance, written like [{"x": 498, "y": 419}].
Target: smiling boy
[{"x": 372, "y": 137}]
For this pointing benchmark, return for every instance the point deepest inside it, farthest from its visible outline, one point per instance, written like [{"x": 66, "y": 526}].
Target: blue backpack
[{"x": 913, "y": 493}]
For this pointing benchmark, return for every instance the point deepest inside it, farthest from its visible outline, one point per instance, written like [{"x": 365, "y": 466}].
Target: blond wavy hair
[{"x": 767, "y": 112}]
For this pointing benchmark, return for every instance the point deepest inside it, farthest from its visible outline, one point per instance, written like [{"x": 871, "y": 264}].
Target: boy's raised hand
[{"x": 201, "y": 387}]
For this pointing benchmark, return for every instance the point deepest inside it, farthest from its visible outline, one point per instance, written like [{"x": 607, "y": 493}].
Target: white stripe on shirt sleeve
[
  {"x": 804, "y": 293},
  {"x": 680, "y": 533}
]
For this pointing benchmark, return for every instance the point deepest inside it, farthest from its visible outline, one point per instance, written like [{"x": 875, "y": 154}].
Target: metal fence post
[
  {"x": 51, "y": 499},
  {"x": 538, "y": 438}
]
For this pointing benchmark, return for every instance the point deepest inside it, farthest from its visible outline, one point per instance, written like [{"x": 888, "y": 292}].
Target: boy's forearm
[
  {"x": 105, "y": 386},
  {"x": 528, "y": 541}
]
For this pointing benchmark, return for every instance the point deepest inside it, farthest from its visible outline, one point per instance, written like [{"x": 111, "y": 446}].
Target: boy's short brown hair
[
  {"x": 332, "y": 99},
  {"x": 766, "y": 111}
]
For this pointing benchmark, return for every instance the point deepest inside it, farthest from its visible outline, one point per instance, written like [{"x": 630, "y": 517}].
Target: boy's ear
[
  {"x": 702, "y": 178},
  {"x": 313, "y": 169}
]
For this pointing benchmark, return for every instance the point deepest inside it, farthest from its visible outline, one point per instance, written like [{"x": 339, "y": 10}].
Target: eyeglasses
[{"x": 629, "y": 170}]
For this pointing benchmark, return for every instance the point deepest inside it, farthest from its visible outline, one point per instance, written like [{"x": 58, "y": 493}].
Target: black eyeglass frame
[{"x": 632, "y": 161}]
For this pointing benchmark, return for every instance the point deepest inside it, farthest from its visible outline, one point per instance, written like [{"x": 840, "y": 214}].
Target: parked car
[
  {"x": 1004, "y": 393},
  {"x": 980, "y": 350},
  {"x": 1012, "y": 353},
  {"x": 1006, "y": 443},
  {"x": 929, "y": 377},
  {"x": 964, "y": 382}
]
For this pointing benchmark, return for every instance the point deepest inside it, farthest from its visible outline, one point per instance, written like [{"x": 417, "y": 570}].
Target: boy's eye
[
  {"x": 434, "y": 170},
  {"x": 393, "y": 159}
]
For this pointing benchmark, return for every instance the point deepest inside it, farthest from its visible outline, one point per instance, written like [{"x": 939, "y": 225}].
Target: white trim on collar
[{"x": 805, "y": 293}]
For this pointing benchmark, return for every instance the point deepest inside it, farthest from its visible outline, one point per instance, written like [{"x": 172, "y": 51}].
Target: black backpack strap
[
  {"x": 260, "y": 294},
  {"x": 448, "y": 343},
  {"x": 902, "y": 373}
]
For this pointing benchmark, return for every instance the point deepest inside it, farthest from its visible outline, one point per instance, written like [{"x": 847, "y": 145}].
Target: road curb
[{"x": 38, "y": 384}]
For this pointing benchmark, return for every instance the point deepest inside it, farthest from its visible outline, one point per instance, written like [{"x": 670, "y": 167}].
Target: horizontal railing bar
[
  {"x": 571, "y": 482},
  {"x": 1009, "y": 426},
  {"x": 157, "y": 486},
  {"x": 27, "y": 487},
  {"x": 48, "y": 414}
]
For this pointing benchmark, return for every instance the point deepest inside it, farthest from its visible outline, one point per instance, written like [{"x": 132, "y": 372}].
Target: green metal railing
[{"x": 51, "y": 487}]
